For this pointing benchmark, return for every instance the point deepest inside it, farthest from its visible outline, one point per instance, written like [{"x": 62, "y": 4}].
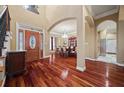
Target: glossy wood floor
[{"x": 61, "y": 72}]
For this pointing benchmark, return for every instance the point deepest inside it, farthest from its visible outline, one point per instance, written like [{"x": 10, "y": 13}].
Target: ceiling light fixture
[{"x": 64, "y": 35}]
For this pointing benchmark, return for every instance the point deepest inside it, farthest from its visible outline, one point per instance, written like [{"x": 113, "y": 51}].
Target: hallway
[{"x": 59, "y": 71}]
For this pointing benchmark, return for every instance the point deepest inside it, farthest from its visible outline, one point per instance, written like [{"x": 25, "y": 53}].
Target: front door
[{"x": 32, "y": 45}]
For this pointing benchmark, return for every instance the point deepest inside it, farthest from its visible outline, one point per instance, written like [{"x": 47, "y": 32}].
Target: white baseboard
[
  {"x": 46, "y": 56},
  {"x": 116, "y": 63},
  {"x": 52, "y": 51},
  {"x": 119, "y": 64},
  {"x": 90, "y": 58},
  {"x": 81, "y": 68}
]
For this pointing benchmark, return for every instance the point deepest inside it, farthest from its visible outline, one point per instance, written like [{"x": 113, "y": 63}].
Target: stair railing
[{"x": 4, "y": 26}]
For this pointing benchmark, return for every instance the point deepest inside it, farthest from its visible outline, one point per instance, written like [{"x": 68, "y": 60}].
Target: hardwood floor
[{"x": 61, "y": 72}]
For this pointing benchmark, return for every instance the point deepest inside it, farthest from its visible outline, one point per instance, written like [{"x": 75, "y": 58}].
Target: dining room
[{"x": 63, "y": 39}]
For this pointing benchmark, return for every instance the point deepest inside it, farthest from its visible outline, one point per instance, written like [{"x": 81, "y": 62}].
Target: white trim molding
[
  {"x": 116, "y": 63},
  {"x": 119, "y": 64},
  {"x": 30, "y": 28},
  {"x": 90, "y": 59},
  {"x": 45, "y": 57},
  {"x": 80, "y": 68},
  {"x": 26, "y": 27}
]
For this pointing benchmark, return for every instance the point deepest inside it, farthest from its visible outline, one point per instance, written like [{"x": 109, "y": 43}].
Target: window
[
  {"x": 52, "y": 43},
  {"x": 21, "y": 40},
  {"x": 32, "y": 8},
  {"x": 32, "y": 42}
]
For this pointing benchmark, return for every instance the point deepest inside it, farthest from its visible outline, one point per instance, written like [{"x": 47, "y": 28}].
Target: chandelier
[{"x": 64, "y": 35}]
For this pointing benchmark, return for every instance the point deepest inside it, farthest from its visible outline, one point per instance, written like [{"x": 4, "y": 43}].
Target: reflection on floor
[
  {"x": 60, "y": 71},
  {"x": 109, "y": 58}
]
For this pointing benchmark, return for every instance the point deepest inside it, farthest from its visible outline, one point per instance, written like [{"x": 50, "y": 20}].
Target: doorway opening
[
  {"x": 107, "y": 41},
  {"x": 63, "y": 38}
]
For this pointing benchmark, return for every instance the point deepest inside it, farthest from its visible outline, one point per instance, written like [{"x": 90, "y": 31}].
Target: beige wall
[
  {"x": 120, "y": 43},
  {"x": 48, "y": 16},
  {"x": 120, "y": 36},
  {"x": 19, "y": 15},
  {"x": 89, "y": 35},
  {"x": 57, "y": 13},
  {"x": 89, "y": 41},
  {"x": 121, "y": 13}
]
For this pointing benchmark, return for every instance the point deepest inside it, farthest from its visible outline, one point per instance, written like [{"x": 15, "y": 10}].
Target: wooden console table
[{"x": 15, "y": 62}]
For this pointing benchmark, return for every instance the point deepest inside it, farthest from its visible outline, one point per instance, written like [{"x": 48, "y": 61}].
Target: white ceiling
[
  {"x": 68, "y": 27},
  {"x": 98, "y": 11}
]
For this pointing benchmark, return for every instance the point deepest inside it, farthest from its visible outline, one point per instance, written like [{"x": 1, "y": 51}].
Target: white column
[{"x": 81, "y": 41}]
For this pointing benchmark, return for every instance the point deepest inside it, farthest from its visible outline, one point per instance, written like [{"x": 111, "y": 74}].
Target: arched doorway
[
  {"x": 107, "y": 41},
  {"x": 80, "y": 38},
  {"x": 63, "y": 34}
]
